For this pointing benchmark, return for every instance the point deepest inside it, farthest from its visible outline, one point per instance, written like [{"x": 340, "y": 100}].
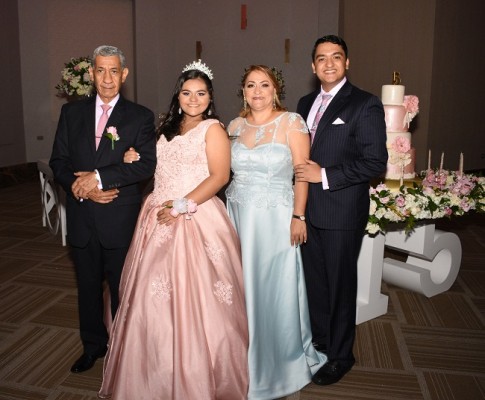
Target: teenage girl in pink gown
[{"x": 181, "y": 329}]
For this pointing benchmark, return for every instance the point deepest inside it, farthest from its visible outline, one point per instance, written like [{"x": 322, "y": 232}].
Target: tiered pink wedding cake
[{"x": 399, "y": 112}]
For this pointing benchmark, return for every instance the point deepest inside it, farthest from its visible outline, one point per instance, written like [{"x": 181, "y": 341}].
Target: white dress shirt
[
  {"x": 313, "y": 113},
  {"x": 99, "y": 112}
]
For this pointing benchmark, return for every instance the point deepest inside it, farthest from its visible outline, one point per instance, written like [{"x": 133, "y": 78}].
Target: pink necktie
[
  {"x": 321, "y": 109},
  {"x": 102, "y": 123}
]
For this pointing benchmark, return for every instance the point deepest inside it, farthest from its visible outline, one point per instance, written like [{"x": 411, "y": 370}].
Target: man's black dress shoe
[
  {"x": 331, "y": 372},
  {"x": 86, "y": 361}
]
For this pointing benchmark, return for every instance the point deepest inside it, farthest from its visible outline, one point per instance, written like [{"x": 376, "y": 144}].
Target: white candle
[
  {"x": 461, "y": 164},
  {"x": 429, "y": 159},
  {"x": 441, "y": 162}
]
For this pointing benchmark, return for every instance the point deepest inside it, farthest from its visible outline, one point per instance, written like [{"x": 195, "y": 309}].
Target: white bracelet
[{"x": 183, "y": 206}]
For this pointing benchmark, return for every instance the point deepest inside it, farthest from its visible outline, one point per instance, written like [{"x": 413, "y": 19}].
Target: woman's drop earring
[{"x": 180, "y": 110}]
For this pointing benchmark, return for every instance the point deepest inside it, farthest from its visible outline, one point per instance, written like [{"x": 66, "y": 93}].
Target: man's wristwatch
[{"x": 300, "y": 217}]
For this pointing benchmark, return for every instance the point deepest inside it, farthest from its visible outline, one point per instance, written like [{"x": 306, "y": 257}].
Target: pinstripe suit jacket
[{"x": 352, "y": 153}]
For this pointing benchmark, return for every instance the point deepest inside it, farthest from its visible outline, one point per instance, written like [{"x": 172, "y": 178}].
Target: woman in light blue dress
[{"x": 268, "y": 213}]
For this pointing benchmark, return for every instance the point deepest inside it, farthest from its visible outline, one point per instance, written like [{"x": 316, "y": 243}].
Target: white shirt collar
[
  {"x": 335, "y": 89},
  {"x": 112, "y": 103}
]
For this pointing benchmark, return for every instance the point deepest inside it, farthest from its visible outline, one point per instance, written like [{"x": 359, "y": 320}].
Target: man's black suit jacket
[
  {"x": 350, "y": 143},
  {"x": 74, "y": 150}
]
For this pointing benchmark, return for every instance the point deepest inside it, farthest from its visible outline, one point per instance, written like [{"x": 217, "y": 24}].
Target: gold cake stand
[{"x": 394, "y": 185}]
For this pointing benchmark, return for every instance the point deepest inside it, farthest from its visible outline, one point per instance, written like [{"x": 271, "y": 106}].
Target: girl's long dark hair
[{"x": 171, "y": 123}]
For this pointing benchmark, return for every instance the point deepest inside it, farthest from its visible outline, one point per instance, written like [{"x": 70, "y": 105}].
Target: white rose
[
  {"x": 372, "y": 228},
  {"x": 380, "y": 213},
  {"x": 372, "y": 207},
  {"x": 392, "y": 216}
]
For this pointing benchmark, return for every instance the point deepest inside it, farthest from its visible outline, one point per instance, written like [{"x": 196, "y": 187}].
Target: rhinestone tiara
[{"x": 199, "y": 65}]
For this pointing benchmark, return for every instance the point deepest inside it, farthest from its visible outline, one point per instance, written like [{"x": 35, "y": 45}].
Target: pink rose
[
  {"x": 465, "y": 205},
  {"x": 463, "y": 185},
  {"x": 441, "y": 179},
  {"x": 430, "y": 178},
  {"x": 191, "y": 206},
  {"x": 401, "y": 145},
  {"x": 381, "y": 187},
  {"x": 400, "y": 201},
  {"x": 114, "y": 133},
  {"x": 183, "y": 206},
  {"x": 411, "y": 104}
]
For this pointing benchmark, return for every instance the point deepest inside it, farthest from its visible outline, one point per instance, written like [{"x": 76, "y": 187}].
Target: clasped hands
[
  {"x": 86, "y": 187},
  {"x": 86, "y": 184}
]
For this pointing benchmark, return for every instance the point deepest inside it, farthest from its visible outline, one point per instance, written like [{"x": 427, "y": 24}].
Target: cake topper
[
  {"x": 199, "y": 65},
  {"x": 396, "y": 78}
]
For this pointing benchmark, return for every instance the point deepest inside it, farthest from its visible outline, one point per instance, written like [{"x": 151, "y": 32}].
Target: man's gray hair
[{"x": 108, "y": 51}]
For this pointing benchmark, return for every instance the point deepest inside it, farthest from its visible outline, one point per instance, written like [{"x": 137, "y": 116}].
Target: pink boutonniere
[{"x": 112, "y": 134}]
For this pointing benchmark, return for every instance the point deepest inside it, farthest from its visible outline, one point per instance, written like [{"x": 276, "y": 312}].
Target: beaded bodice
[{"x": 181, "y": 163}]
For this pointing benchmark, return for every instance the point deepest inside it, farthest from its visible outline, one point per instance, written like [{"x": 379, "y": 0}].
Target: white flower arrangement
[
  {"x": 75, "y": 80},
  {"x": 440, "y": 194}
]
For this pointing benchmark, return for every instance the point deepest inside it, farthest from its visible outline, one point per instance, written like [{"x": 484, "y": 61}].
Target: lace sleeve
[
  {"x": 234, "y": 128},
  {"x": 296, "y": 125}
]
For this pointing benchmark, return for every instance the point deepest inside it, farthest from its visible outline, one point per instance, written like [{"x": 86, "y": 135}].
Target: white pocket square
[{"x": 338, "y": 121}]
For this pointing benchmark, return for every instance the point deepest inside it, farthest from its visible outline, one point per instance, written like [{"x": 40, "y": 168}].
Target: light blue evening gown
[{"x": 260, "y": 203}]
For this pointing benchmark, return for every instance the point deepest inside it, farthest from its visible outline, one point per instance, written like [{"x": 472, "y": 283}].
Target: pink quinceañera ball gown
[{"x": 181, "y": 329}]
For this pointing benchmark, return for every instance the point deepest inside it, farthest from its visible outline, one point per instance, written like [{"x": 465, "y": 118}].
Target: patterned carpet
[{"x": 432, "y": 349}]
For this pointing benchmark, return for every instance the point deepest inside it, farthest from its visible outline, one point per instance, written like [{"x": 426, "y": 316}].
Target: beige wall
[
  {"x": 51, "y": 32},
  {"x": 158, "y": 37},
  {"x": 167, "y": 31},
  {"x": 435, "y": 45},
  {"x": 12, "y": 141}
]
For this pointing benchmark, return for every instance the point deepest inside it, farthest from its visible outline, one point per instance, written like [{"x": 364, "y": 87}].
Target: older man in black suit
[
  {"x": 348, "y": 150},
  {"x": 103, "y": 192}
]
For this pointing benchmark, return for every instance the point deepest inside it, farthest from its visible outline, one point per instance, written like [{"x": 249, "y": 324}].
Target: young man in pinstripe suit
[{"x": 348, "y": 150}]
